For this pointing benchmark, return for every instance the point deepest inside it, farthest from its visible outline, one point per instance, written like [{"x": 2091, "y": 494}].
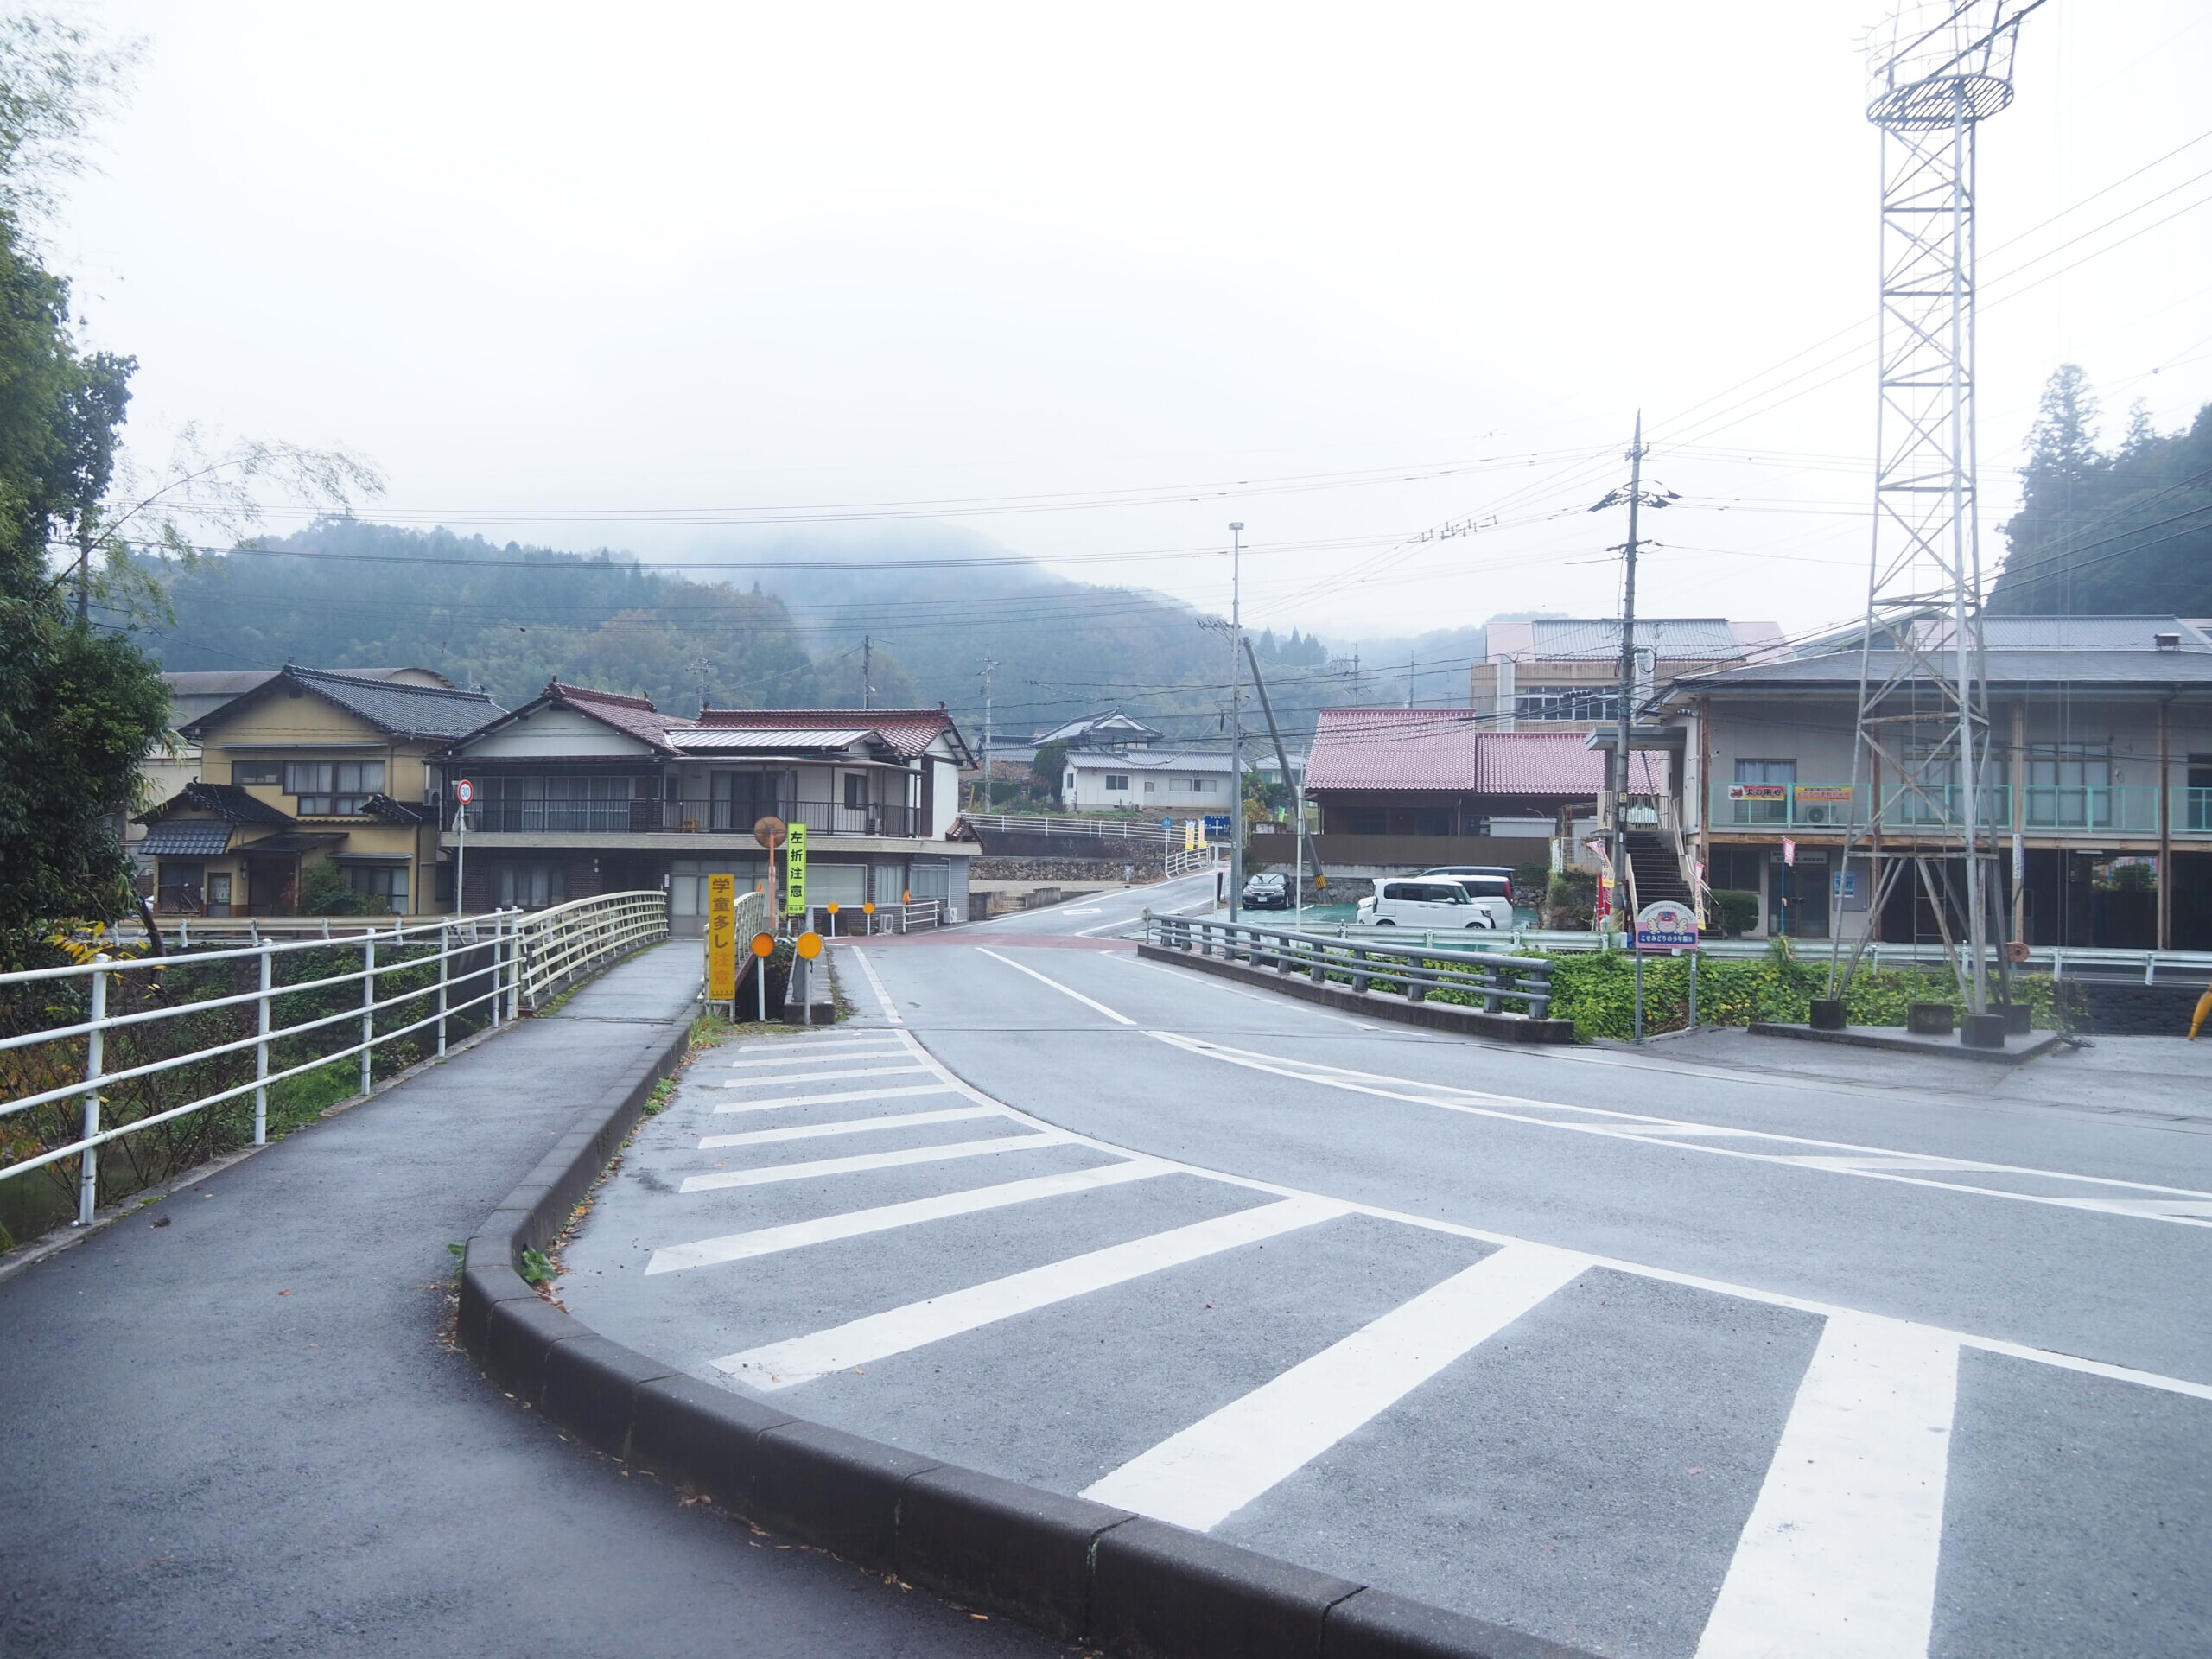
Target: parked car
[
  {"x": 1432, "y": 902},
  {"x": 1267, "y": 893}
]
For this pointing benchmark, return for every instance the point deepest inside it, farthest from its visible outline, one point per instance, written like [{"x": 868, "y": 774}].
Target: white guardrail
[
  {"x": 419, "y": 985},
  {"x": 1490, "y": 978},
  {"x": 2060, "y": 962},
  {"x": 1089, "y": 829}
]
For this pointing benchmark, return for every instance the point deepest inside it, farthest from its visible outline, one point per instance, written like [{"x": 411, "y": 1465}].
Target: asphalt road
[
  {"x": 1658, "y": 1356},
  {"x": 235, "y": 1422}
]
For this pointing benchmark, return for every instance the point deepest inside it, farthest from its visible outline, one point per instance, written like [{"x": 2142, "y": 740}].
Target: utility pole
[
  {"x": 1235, "y": 722},
  {"x": 987, "y": 666},
  {"x": 1410, "y": 679},
  {"x": 1633, "y": 498},
  {"x": 867, "y": 671},
  {"x": 700, "y": 665}
]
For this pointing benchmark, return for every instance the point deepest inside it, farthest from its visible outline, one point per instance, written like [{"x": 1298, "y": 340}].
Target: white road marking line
[
  {"x": 782, "y": 1101},
  {"x": 768, "y": 1241},
  {"x": 818, "y": 1166},
  {"x": 2166, "y": 1208},
  {"x": 2010, "y": 1349},
  {"x": 1065, "y": 990},
  {"x": 841, "y": 1053},
  {"x": 796, "y": 1043},
  {"x": 1838, "y": 1556},
  {"x": 814, "y": 1077},
  {"x": 1199, "y": 1478},
  {"x": 848, "y": 1126},
  {"x": 875, "y": 984},
  {"x": 784, "y": 1364},
  {"x": 1867, "y": 1163}
]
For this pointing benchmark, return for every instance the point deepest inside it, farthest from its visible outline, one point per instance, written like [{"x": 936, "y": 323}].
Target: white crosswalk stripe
[
  {"x": 1215, "y": 1467},
  {"x": 817, "y": 1077},
  {"x": 848, "y": 1126},
  {"x": 779, "y": 1101},
  {"x": 785, "y": 1364},
  {"x": 1839, "y": 1557},
  {"x": 853, "y": 1223},
  {"x": 816, "y": 1168}
]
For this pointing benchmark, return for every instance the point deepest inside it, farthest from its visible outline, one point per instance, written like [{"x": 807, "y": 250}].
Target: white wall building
[{"x": 1148, "y": 780}]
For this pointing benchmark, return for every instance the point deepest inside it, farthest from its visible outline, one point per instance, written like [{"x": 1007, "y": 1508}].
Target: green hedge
[{"x": 1598, "y": 992}]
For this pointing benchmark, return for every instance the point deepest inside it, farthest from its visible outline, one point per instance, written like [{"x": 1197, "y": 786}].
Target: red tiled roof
[
  {"x": 634, "y": 716},
  {"x": 1411, "y": 750},
  {"x": 911, "y": 731}
]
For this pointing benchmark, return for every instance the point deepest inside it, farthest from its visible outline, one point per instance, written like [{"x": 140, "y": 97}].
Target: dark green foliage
[
  {"x": 348, "y": 594},
  {"x": 1735, "y": 912},
  {"x": 2123, "y": 533},
  {"x": 323, "y": 892},
  {"x": 78, "y": 709},
  {"x": 1049, "y": 767},
  {"x": 1570, "y": 899}
]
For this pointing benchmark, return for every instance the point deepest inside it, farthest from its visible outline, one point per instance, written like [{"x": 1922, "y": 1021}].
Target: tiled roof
[
  {"x": 632, "y": 716},
  {"x": 1411, "y": 750},
  {"x": 392, "y": 706},
  {"x": 911, "y": 731},
  {"x": 185, "y": 838},
  {"x": 226, "y": 801},
  {"x": 395, "y": 811}
]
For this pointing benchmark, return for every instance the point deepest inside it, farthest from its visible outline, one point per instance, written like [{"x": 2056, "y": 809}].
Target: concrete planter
[
  {"x": 1929, "y": 1019},
  {"x": 1828, "y": 1014}
]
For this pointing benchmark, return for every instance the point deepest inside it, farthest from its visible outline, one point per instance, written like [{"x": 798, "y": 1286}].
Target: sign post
[
  {"x": 805, "y": 949},
  {"x": 464, "y": 792},
  {"x": 721, "y": 941},
  {"x": 764, "y": 946},
  {"x": 1661, "y": 924},
  {"x": 770, "y": 831},
  {"x": 795, "y": 871}
]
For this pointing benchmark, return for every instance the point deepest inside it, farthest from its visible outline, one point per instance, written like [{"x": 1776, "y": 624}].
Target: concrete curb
[
  {"x": 1373, "y": 1005},
  {"x": 2041, "y": 1042},
  {"x": 1075, "y": 1569}
]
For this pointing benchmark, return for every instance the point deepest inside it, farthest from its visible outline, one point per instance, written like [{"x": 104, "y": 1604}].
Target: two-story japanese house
[
  {"x": 306, "y": 766},
  {"x": 582, "y": 792}
]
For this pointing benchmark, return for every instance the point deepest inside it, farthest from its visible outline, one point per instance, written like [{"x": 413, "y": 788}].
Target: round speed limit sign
[{"x": 464, "y": 791}]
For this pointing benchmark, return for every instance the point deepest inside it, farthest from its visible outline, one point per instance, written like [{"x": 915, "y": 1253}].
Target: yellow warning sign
[{"x": 721, "y": 939}]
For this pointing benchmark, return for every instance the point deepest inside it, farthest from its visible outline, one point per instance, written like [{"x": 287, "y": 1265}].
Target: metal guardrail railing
[
  {"x": 473, "y": 971},
  {"x": 560, "y": 944},
  {"x": 1491, "y": 979},
  {"x": 1140, "y": 830},
  {"x": 1190, "y": 860}
]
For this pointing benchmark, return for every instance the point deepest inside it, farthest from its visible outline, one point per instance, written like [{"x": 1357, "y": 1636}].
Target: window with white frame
[
  {"x": 333, "y": 789},
  {"x": 1567, "y": 703}
]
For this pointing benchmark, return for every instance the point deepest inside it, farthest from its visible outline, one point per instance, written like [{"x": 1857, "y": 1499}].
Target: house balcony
[
  {"x": 2087, "y": 810},
  {"x": 874, "y": 821}
]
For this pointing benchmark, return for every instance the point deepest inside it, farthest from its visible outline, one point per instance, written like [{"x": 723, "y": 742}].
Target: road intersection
[{"x": 1652, "y": 1358}]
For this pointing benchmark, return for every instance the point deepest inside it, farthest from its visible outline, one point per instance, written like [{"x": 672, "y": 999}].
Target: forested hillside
[
  {"x": 2124, "y": 531},
  {"x": 913, "y": 616},
  {"x": 348, "y": 594}
]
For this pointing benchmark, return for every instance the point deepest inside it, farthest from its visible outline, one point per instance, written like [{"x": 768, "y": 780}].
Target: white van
[{"x": 1430, "y": 902}]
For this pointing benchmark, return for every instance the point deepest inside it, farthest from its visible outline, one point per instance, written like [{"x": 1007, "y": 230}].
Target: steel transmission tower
[{"x": 1919, "y": 814}]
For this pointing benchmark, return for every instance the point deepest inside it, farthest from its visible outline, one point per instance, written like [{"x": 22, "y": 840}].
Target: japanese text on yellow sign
[
  {"x": 795, "y": 872},
  {"x": 721, "y": 939}
]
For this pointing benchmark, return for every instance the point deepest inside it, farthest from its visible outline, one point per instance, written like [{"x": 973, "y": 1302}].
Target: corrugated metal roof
[
  {"x": 1099, "y": 760},
  {"x": 185, "y": 838},
  {"x": 1599, "y": 638},
  {"x": 2018, "y": 668},
  {"x": 1393, "y": 748},
  {"x": 699, "y": 739},
  {"x": 911, "y": 731},
  {"x": 1449, "y": 750}
]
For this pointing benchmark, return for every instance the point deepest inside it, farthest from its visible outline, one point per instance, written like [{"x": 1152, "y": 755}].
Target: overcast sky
[{"x": 601, "y": 274}]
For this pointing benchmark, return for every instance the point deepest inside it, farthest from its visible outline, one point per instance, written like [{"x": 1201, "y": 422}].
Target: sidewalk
[{"x": 236, "y": 1424}]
